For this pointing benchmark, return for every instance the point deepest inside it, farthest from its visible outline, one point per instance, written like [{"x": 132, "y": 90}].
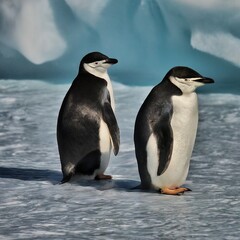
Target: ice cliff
[{"x": 46, "y": 39}]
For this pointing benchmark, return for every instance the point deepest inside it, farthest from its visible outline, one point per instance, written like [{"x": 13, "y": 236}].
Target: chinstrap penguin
[
  {"x": 165, "y": 131},
  {"x": 87, "y": 129}
]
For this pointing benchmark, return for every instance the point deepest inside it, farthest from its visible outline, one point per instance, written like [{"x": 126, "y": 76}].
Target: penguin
[
  {"x": 87, "y": 129},
  {"x": 165, "y": 131}
]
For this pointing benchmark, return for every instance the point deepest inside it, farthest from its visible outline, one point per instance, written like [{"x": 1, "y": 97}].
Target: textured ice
[
  {"x": 34, "y": 206},
  {"x": 147, "y": 37}
]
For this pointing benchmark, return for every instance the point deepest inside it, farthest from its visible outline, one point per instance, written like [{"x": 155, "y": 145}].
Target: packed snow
[{"x": 34, "y": 206}]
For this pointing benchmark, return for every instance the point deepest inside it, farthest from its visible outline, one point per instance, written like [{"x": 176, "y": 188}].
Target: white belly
[
  {"x": 105, "y": 147},
  {"x": 184, "y": 126}
]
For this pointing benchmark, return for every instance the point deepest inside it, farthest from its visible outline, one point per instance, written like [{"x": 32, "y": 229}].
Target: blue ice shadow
[
  {"x": 29, "y": 174},
  {"x": 102, "y": 185}
]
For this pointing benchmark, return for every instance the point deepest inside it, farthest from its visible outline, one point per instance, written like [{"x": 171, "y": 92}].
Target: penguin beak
[
  {"x": 204, "y": 80},
  {"x": 111, "y": 61}
]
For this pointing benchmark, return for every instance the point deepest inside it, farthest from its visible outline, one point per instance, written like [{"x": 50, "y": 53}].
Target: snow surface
[{"x": 34, "y": 206}]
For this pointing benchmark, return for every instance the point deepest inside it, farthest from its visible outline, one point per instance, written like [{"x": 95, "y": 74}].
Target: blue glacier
[
  {"x": 41, "y": 44},
  {"x": 46, "y": 39}
]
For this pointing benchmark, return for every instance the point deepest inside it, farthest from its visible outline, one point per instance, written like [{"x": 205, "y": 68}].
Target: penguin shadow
[
  {"x": 30, "y": 174},
  {"x": 126, "y": 185},
  {"x": 54, "y": 177},
  {"x": 121, "y": 185}
]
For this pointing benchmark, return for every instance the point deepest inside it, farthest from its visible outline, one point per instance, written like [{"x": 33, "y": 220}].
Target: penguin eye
[{"x": 96, "y": 63}]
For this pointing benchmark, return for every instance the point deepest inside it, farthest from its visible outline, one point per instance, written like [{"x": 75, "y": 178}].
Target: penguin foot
[
  {"x": 176, "y": 191},
  {"x": 103, "y": 177}
]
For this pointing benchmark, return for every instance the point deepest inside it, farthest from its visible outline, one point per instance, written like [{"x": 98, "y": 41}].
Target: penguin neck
[
  {"x": 110, "y": 90},
  {"x": 104, "y": 75},
  {"x": 185, "y": 88},
  {"x": 170, "y": 88}
]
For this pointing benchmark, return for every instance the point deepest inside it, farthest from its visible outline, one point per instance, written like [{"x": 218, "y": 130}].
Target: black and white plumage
[
  {"x": 165, "y": 130},
  {"x": 87, "y": 129}
]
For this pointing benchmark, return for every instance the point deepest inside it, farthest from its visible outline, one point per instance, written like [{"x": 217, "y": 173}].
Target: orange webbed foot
[
  {"x": 103, "y": 177},
  {"x": 176, "y": 191}
]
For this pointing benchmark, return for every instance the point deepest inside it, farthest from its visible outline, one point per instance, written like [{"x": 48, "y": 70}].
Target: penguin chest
[
  {"x": 184, "y": 127},
  {"x": 105, "y": 146},
  {"x": 184, "y": 124}
]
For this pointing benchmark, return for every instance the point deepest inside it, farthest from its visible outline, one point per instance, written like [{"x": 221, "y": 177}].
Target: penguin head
[
  {"x": 96, "y": 63},
  {"x": 186, "y": 79}
]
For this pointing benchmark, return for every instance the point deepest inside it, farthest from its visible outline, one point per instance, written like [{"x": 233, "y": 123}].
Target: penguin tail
[
  {"x": 138, "y": 187},
  {"x": 65, "y": 179}
]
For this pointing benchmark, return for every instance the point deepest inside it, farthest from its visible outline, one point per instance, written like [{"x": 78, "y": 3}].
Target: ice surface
[{"x": 34, "y": 206}]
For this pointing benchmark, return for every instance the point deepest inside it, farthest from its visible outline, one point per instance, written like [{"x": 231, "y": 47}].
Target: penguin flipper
[
  {"x": 110, "y": 120},
  {"x": 163, "y": 132}
]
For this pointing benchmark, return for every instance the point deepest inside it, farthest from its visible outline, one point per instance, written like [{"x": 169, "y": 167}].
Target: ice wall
[
  {"x": 46, "y": 39},
  {"x": 28, "y": 27}
]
